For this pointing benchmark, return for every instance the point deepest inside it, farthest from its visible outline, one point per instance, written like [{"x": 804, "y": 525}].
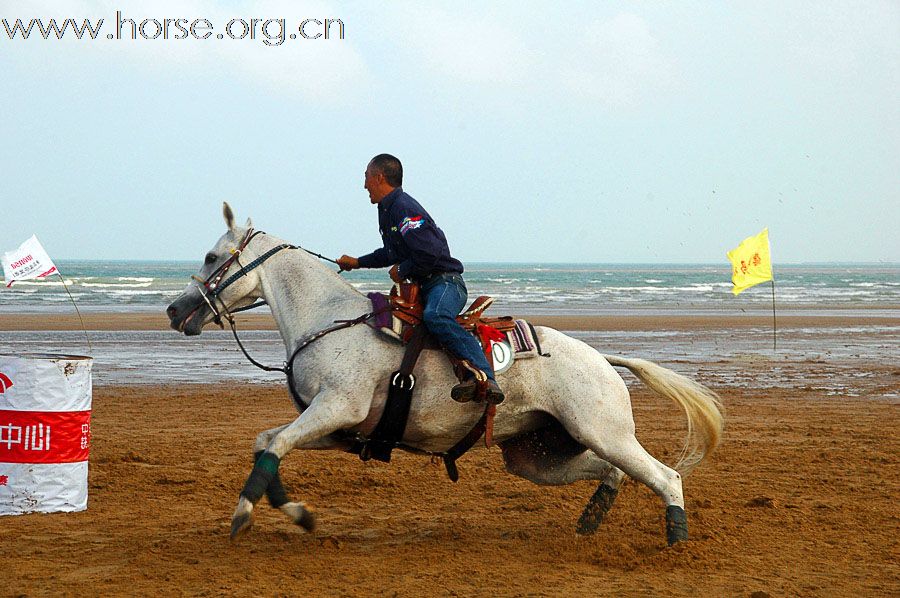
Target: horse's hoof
[
  {"x": 676, "y": 525},
  {"x": 594, "y": 512},
  {"x": 307, "y": 520},
  {"x": 301, "y": 515},
  {"x": 242, "y": 519},
  {"x": 240, "y": 524}
]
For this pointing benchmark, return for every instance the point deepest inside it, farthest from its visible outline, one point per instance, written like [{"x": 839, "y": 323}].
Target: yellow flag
[{"x": 750, "y": 262}]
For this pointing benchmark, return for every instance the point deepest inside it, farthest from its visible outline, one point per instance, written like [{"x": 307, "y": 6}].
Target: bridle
[{"x": 212, "y": 287}]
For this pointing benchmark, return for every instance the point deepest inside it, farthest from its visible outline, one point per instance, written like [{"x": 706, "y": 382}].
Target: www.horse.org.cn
[{"x": 271, "y": 31}]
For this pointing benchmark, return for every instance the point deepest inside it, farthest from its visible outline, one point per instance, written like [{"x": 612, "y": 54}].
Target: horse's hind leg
[
  {"x": 618, "y": 445},
  {"x": 549, "y": 456},
  {"x": 630, "y": 457},
  {"x": 536, "y": 467},
  {"x": 601, "y": 502}
]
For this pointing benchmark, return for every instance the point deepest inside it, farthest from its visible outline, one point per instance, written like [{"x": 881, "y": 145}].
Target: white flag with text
[{"x": 28, "y": 261}]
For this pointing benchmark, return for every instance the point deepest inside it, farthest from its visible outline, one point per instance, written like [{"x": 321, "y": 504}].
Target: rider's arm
[
  {"x": 380, "y": 258},
  {"x": 425, "y": 245}
]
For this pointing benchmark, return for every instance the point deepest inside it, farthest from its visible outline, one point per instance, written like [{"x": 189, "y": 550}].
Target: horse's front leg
[
  {"x": 275, "y": 491},
  {"x": 327, "y": 413},
  {"x": 298, "y": 512}
]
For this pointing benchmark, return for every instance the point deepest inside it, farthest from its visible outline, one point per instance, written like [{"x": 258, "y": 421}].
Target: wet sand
[
  {"x": 262, "y": 321},
  {"x": 801, "y": 500}
]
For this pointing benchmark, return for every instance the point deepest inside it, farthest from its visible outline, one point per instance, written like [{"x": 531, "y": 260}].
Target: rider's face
[{"x": 375, "y": 185}]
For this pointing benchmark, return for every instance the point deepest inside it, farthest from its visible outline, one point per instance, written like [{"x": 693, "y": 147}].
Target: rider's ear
[
  {"x": 228, "y": 214},
  {"x": 249, "y": 224}
]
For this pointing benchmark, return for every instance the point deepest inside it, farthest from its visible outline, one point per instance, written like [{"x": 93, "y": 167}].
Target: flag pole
[
  {"x": 72, "y": 299},
  {"x": 774, "y": 327}
]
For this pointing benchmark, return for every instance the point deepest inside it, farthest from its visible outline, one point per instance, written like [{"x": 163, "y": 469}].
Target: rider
[{"x": 416, "y": 249}]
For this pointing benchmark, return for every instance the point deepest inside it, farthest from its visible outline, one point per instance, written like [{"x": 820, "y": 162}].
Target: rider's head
[{"x": 383, "y": 174}]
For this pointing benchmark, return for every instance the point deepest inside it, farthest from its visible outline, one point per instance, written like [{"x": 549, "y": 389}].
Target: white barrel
[{"x": 45, "y": 432}]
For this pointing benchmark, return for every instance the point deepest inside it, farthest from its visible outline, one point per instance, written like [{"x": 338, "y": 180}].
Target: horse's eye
[{"x": 210, "y": 258}]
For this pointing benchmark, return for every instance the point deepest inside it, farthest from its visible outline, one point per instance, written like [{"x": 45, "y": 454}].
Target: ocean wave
[
  {"x": 702, "y": 288},
  {"x": 63, "y": 297},
  {"x": 123, "y": 293},
  {"x": 579, "y": 286},
  {"x": 43, "y": 283},
  {"x": 116, "y": 285},
  {"x": 513, "y": 298},
  {"x": 645, "y": 288},
  {"x": 873, "y": 285}
]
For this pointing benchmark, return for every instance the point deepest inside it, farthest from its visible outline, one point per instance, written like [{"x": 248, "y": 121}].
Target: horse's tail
[{"x": 701, "y": 405}]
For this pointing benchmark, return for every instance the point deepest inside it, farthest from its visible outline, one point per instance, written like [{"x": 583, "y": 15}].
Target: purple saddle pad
[{"x": 381, "y": 305}]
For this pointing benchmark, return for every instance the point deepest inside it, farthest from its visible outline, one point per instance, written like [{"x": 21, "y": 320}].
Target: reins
[{"x": 213, "y": 286}]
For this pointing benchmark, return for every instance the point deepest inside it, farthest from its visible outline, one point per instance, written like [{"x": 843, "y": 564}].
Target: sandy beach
[{"x": 800, "y": 499}]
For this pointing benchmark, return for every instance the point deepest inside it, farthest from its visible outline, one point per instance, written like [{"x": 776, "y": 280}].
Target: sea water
[
  {"x": 720, "y": 356},
  {"x": 519, "y": 288}
]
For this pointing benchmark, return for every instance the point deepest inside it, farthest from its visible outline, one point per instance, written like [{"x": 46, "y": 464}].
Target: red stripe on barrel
[{"x": 44, "y": 436}]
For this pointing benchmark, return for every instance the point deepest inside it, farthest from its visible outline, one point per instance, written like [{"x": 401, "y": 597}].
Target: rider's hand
[
  {"x": 348, "y": 263},
  {"x": 395, "y": 273}
]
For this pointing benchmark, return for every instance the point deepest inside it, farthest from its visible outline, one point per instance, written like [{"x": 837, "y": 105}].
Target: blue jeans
[{"x": 445, "y": 296}]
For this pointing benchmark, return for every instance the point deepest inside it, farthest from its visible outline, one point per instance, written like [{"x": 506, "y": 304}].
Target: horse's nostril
[{"x": 171, "y": 311}]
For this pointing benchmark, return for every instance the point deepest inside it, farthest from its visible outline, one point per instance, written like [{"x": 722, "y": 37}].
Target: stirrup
[{"x": 468, "y": 390}]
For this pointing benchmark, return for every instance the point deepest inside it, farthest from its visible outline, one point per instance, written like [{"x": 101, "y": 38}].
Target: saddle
[
  {"x": 401, "y": 314},
  {"x": 407, "y": 307}
]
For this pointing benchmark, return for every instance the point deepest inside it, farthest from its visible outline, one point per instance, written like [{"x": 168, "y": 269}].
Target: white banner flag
[{"x": 28, "y": 261}]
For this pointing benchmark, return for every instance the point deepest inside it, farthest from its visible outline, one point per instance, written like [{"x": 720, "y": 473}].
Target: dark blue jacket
[{"x": 411, "y": 239}]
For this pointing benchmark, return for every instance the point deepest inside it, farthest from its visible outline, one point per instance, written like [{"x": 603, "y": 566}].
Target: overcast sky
[{"x": 599, "y": 132}]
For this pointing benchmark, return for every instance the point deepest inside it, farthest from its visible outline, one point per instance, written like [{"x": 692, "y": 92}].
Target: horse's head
[{"x": 205, "y": 296}]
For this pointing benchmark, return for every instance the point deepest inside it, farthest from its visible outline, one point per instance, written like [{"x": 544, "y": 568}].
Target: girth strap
[{"x": 388, "y": 433}]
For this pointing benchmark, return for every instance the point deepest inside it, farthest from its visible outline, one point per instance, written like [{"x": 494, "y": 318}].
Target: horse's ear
[
  {"x": 228, "y": 214},
  {"x": 249, "y": 223}
]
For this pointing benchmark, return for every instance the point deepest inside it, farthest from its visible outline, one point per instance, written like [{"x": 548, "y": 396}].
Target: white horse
[{"x": 566, "y": 418}]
